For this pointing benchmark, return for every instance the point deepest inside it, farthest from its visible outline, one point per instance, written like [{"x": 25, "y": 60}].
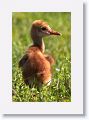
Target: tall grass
[{"x": 58, "y": 47}]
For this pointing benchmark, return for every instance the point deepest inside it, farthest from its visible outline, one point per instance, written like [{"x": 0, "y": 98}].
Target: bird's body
[{"x": 35, "y": 64}]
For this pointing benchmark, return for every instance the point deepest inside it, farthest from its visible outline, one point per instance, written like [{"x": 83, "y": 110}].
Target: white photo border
[{"x": 76, "y": 104}]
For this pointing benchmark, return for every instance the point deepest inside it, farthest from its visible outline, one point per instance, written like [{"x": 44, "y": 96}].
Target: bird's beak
[{"x": 52, "y": 32}]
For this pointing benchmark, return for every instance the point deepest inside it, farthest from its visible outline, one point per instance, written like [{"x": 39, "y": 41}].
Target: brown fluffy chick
[{"x": 36, "y": 66}]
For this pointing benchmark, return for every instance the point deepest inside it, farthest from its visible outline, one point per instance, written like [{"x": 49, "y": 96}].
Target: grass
[{"x": 58, "y": 47}]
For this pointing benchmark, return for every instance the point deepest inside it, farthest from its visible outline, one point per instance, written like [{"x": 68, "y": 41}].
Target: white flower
[{"x": 57, "y": 69}]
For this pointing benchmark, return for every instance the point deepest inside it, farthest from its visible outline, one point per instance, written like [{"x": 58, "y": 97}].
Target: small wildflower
[{"x": 57, "y": 69}]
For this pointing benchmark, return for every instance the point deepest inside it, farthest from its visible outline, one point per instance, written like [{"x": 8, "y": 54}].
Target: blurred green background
[{"x": 57, "y": 46}]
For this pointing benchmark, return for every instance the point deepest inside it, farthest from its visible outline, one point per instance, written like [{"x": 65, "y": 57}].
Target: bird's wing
[
  {"x": 50, "y": 59},
  {"x": 23, "y": 60}
]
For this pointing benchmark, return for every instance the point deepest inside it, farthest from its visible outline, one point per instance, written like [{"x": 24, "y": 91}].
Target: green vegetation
[{"x": 57, "y": 46}]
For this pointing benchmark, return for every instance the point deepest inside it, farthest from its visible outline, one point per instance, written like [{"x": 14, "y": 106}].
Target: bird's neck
[{"x": 39, "y": 43}]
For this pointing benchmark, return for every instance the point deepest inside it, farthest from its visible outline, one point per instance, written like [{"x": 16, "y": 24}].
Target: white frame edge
[{"x": 73, "y": 107}]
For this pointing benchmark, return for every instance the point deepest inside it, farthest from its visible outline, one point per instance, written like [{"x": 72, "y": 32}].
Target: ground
[{"x": 58, "y": 47}]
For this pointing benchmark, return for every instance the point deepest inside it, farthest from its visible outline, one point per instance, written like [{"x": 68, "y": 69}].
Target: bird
[{"x": 35, "y": 64}]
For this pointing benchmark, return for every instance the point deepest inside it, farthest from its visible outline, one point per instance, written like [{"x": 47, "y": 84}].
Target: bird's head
[{"x": 41, "y": 29}]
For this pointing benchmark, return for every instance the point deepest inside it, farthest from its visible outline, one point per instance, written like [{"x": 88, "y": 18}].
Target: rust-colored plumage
[{"x": 36, "y": 66}]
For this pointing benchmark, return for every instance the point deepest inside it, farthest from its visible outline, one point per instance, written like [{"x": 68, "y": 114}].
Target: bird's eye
[{"x": 44, "y": 28}]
